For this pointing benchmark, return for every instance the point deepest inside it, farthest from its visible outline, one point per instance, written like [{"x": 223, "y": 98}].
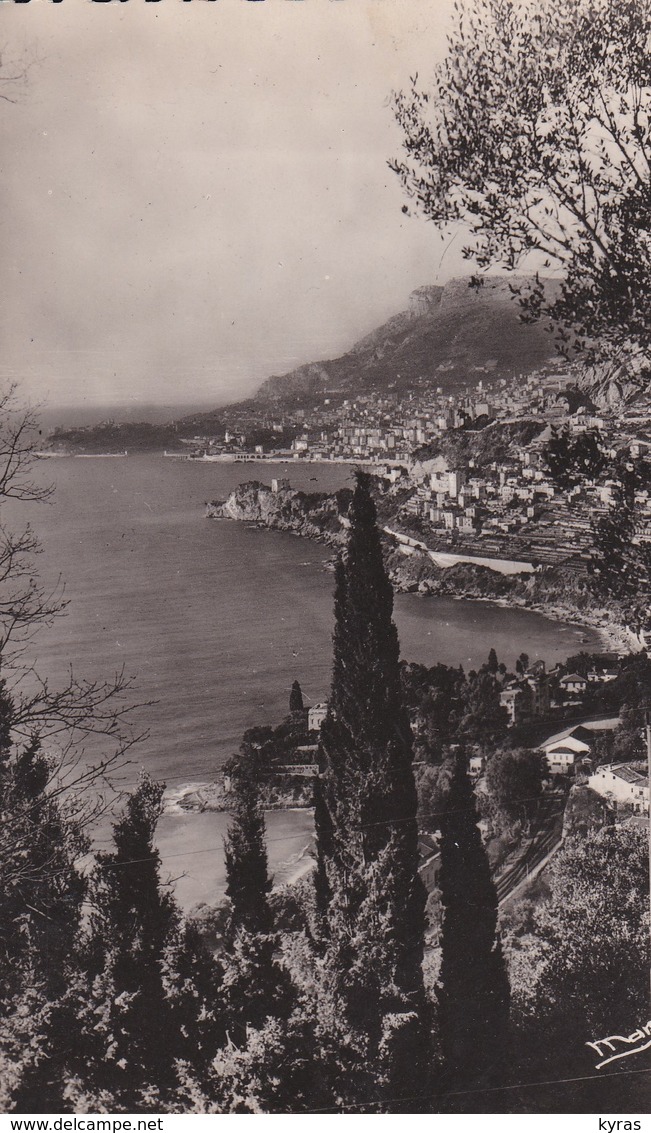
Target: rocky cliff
[
  {"x": 449, "y": 335},
  {"x": 313, "y": 515}
]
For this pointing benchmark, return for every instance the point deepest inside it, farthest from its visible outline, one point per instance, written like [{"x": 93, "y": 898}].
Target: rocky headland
[
  {"x": 313, "y": 515},
  {"x": 280, "y": 793}
]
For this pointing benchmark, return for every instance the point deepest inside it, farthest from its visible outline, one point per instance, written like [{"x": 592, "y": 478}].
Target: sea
[{"x": 214, "y": 620}]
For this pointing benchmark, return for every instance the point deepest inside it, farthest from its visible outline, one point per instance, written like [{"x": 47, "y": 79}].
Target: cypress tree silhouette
[
  {"x": 296, "y": 698},
  {"x": 255, "y": 984},
  {"x": 41, "y": 895},
  {"x": 473, "y": 989},
  {"x": 323, "y": 835},
  {"x": 127, "y": 1022},
  {"x": 196, "y": 995},
  {"x": 367, "y": 836},
  {"x": 247, "y": 874}
]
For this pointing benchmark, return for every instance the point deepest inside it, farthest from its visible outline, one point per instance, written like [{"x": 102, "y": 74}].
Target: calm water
[{"x": 216, "y": 619}]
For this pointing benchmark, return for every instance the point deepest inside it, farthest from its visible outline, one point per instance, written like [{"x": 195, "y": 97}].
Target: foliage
[
  {"x": 50, "y": 793},
  {"x": 514, "y": 782},
  {"x": 255, "y": 986},
  {"x": 574, "y": 459},
  {"x": 433, "y": 698},
  {"x": 194, "y": 985},
  {"x": 621, "y": 561},
  {"x": 324, "y": 837},
  {"x": 534, "y": 138},
  {"x": 41, "y": 889},
  {"x": 583, "y": 662},
  {"x": 483, "y": 720},
  {"x": 633, "y": 685},
  {"x": 447, "y": 706},
  {"x": 433, "y": 786},
  {"x": 585, "y": 810},
  {"x": 291, "y": 1067},
  {"x": 628, "y": 741},
  {"x": 296, "y": 698},
  {"x": 368, "y": 844},
  {"x": 473, "y": 988},
  {"x": 621, "y": 566},
  {"x": 126, "y": 1022},
  {"x": 247, "y": 879},
  {"x": 583, "y": 973}
]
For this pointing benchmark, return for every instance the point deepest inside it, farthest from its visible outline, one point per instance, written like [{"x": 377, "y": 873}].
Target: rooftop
[{"x": 628, "y": 773}]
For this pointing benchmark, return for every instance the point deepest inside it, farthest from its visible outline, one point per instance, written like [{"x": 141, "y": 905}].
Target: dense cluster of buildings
[
  {"x": 512, "y": 508},
  {"x": 507, "y": 508}
]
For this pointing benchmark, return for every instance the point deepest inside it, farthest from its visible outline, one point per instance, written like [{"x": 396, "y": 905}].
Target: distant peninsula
[
  {"x": 112, "y": 437},
  {"x": 449, "y": 337}
]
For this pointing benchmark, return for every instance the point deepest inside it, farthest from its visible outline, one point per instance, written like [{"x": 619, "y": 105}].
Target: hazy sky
[{"x": 196, "y": 196}]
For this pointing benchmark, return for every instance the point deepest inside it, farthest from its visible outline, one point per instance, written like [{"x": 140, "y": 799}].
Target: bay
[{"x": 215, "y": 619}]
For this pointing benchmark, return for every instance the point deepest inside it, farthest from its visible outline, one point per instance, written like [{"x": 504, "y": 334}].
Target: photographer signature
[{"x": 621, "y": 1046}]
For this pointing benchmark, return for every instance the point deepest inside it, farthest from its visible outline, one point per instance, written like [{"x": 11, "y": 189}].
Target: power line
[{"x": 487, "y": 1090}]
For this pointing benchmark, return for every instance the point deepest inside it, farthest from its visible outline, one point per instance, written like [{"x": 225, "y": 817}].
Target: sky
[{"x": 195, "y": 196}]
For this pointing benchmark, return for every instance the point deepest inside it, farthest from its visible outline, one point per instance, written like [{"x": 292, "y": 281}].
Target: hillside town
[{"x": 469, "y": 468}]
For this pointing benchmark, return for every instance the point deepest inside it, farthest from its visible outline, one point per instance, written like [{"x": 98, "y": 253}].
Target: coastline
[
  {"x": 256, "y": 505},
  {"x": 217, "y": 458},
  {"x": 201, "y": 798},
  {"x": 615, "y": 639}
]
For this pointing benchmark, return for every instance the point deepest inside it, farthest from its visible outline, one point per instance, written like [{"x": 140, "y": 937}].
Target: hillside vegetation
[{"x": 447, "y": 336}]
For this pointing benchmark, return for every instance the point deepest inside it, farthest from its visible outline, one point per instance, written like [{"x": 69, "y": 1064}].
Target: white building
[
  {"x": 561, "y": 755},
  {"x": 315, "y": 716},
  {"x": 573, "y": 683},
  {"x": 622, "y": 783},
  {"x": 476, "y": 766},
  {"x": 603, "y": 677},
  {"x": 456, "y": 480},
  {"x": 279, "y": 484}
]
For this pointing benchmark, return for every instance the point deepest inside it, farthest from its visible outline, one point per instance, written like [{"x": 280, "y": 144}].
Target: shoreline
[
  {"x": 219, "y": 458},
  {"x": 212, "y": 797},
  {"x": 614, "y": 638}
]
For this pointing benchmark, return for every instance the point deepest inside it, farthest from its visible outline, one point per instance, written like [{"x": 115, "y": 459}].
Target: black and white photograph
[{"x": 325, "y": 559}]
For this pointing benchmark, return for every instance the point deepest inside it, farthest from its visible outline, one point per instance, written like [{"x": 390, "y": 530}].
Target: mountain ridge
[{"x": 449, "y": 334}]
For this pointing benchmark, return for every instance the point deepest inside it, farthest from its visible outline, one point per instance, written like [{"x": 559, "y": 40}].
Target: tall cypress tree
[
  {"x": 296, "y": 698},
  {"x": 255, "y": 984},
  {"x": 195, "y": 979},
  {"x": 323, "y": 834},
  {"x": 473, "y": 987},
  {"x": 247, "y": 874},
  {"x": 41, "y": 895},
  {"x": 128, "y": 1031},
  {"x": 368, "y": 839}
]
